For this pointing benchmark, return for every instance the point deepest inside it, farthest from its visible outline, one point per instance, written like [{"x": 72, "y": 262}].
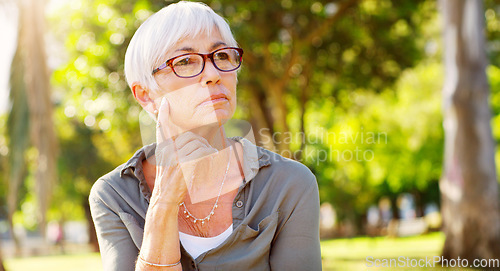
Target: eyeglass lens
[{"x": 192, "y": 64}]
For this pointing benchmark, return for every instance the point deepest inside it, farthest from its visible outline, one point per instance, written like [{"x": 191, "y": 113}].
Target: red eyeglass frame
[{"x": 210, "y": 56}]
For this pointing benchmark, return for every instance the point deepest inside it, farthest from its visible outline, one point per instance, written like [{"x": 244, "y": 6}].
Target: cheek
[
  {"x": 180, "y": 106},
  {"x": 230, "y": 83},
  {"x": 170, "y": 84}
]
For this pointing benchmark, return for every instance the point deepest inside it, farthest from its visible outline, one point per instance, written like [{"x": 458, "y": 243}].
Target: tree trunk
[
  {"x": 13, "y": 235},
  {"x": 37, "y": 78},
  {"x": 280, "y": 124},
  {"x": 419, "y": 203},
  {"x": 18, "y": 134},
  {"x": 91, "y": 230},
  {"x": 2, "y": 268},
  {"x": 469, "y": 188},
  {"x": 394, "y": 207},
  {"x": 262, "y": 120}
]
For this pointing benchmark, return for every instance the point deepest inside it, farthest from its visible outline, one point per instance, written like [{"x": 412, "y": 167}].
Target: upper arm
[
  {"x": 118, "y": 251},
  {"x": 297, "y": 245}
]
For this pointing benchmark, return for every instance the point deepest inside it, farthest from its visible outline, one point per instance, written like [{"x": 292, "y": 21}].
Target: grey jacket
[{"x": 275, "y": 216}]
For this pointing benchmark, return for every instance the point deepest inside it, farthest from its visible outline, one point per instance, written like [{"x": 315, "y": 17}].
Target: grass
[
  {"x": 351, "y": 254},
  {"x": 338, "y": 254},
  {"x": 73, "y": 262}
]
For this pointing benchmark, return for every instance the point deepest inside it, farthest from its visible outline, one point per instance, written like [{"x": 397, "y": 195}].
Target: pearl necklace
[{"x": 207, "y": 218}]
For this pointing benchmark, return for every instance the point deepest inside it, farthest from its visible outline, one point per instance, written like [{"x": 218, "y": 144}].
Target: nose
[{"x": 210, "y": 74}]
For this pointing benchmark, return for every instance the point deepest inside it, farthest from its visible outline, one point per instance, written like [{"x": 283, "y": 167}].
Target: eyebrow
[
  {"x": 191, "y": 50},
  {"x": 217, "y": 44}
]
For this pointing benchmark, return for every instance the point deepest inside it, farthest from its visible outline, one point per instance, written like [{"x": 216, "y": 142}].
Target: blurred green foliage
[
  {"x": 349, "y": 70},
  {"x": 369, "y": 84}
]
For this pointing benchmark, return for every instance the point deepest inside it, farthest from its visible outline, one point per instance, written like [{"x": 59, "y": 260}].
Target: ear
[{"x": 144, "y": 97}]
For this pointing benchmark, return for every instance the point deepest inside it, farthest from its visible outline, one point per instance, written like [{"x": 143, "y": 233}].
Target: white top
[{"x": 196, "y": 245}]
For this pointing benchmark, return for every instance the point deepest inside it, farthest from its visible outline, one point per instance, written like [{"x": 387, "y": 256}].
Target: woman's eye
[
  {"x": 222, "y": 56},
  {"x": 183, "y": 61}
]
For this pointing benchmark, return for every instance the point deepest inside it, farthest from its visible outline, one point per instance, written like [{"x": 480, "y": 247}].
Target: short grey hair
[{"x": 160, "y": 32}]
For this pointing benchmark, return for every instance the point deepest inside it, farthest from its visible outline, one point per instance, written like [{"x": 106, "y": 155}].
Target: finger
[
  {"x": 202, "y": 139},
  {"x": 199, "y": 153},
  {"x": 188, "y": 137},
  {"x": 165, "y": 129},
  {"x": 165, "y": 155},
  {"x": 189, "y": 147}
]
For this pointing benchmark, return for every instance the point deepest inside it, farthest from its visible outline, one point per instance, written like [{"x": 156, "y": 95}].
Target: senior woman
[{"x": 197, "y": 200}]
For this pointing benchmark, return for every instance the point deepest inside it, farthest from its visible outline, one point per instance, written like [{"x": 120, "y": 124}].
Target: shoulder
[
  {"x": 114, "y": 188},
  {"x": 284, "y": 171},
  {"x": 122, "y": 182},
  {"x": 105, "y": 184},
  {"x": 286, "y": 186}
]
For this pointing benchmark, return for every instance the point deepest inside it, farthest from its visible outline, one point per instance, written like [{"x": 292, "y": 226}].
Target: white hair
[{"x": 163, "y": 30}]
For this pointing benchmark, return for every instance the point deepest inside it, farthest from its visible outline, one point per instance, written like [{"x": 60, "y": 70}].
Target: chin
[{"x": 218, "y": 116}]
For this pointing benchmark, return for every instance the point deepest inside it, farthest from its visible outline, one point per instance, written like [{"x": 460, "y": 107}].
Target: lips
[{"x": 220, "y": 97}]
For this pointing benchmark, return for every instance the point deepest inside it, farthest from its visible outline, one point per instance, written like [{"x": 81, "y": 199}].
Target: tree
[
  {"x": 298, "y": 54},
  {"x": 469, "y": 188},
  {"x": 4, "y": 7},
  {"x": 30, "y": 117},
  {"x": 299, "y": 51}
]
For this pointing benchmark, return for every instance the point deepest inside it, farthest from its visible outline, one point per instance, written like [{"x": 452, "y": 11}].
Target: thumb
[
  {"x": 166, "y": 129},
  {"x": 166, "y": 132}
]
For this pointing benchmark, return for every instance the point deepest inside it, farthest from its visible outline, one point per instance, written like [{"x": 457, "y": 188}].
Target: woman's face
[{"x": 205, "y": 99}]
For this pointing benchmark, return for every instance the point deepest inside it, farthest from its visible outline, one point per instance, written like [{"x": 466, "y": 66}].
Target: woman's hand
[{"x": 179, "y": 156}]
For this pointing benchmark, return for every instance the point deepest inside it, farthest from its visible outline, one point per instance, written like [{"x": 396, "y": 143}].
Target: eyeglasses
[{"x": 190, "y": 65}]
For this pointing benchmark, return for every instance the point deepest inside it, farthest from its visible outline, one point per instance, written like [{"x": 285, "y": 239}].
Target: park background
[{"x": 364, "y": 92}]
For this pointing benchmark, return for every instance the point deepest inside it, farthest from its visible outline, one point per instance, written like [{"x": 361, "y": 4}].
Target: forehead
[{"x": 201, "y": 43}]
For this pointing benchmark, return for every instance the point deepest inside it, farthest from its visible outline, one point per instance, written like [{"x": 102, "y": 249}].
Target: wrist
[
  {"x": 151, "y": 264},
  {"x": 162, "y": 210},
  {"x": 169, "y": 202},
  {"x": 173, "y": 195}
]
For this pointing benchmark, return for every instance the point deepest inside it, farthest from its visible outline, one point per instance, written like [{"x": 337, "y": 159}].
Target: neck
[
  {"x": 210, "y": 174},
  {"x": 214, "y": 134}
]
